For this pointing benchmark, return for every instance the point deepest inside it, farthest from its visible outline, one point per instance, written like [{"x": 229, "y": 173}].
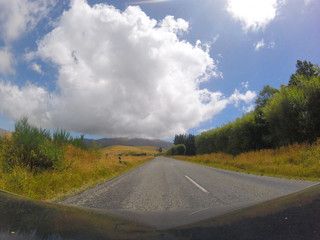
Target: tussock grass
[
  {"x": 300, "y": 161},
  {"x": 82, "y": 169}
]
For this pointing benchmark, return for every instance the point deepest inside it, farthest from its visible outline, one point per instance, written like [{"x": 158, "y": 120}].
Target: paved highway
[{"x": 165, "y": 193}]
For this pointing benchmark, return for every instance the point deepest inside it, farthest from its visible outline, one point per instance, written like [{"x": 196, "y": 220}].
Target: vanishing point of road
[{"x": 165, "y": 192}]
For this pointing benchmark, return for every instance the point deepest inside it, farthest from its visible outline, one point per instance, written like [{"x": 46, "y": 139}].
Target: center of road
[
  {"x": 159, "y": 194},
  {"x": 195, "y": 183}
]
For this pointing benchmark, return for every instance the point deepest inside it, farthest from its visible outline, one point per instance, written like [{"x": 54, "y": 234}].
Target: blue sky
[{"x": 147, "y": 68}]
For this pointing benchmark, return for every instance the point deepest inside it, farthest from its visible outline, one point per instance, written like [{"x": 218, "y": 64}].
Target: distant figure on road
[{"x": 119, "y": 156}]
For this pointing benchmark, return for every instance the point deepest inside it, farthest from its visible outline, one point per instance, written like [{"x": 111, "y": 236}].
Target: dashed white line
[{"x": 195, "y": 183}]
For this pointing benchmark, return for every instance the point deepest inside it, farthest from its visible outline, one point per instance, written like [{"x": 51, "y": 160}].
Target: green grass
[{"x": 299, "y": 161}]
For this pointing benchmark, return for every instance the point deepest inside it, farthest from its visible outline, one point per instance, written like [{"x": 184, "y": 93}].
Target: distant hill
[
  {"x": 106, "y": 142},
  {"x": 3, "y": 132}
]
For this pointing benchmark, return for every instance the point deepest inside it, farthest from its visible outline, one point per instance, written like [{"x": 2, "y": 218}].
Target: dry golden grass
[
  {"x": 127, "y": 149},
  {"x": 301, "y": 161},
  {"x": 82, "y": 169}
]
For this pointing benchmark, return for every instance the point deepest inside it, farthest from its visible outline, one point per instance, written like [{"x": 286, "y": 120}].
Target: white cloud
[
  {"x": 6, "y": 61},
  {"x": 199, "y": 131},
  {"x": 259, "y": 44},
  {"x": 120, "y": 74},
  {"x": 37, "y": 68},
  {"x": 19, "y": 16},
  {"x": 149, "y": 2},
  {"x": 254, "y": 14},
  {"x": 29, "y": 100},
  {"x": 237, "y": 97},
  {"x": 16, "y": 18},
  {"x": 248, "y": 108}
]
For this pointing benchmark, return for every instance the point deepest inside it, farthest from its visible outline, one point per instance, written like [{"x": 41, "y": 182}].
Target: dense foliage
[
  {"x": 188, "y": 141},
  {"x": 281, "y": 117},
  {"x": 179, "y": 149},
  {"x": 35, "y": 148}
]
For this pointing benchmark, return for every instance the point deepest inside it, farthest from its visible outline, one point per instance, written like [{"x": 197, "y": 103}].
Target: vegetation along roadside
[
  {"x": 280, "y": 137},
  {"x": 39, "y": 165}
]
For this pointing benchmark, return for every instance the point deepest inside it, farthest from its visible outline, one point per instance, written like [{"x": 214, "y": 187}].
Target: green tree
[
  {"x": 179, "y": 139},
  {"x": 294, "y": 112},
  {"x": 188, "y": 141},
  {"x": 263, "y": 137},
  {"x": 179, "y": 149},
  {"x": 305, "y": 70},
  {"x": 190, "y": 145},
  {"x": 265, "y": 95}
]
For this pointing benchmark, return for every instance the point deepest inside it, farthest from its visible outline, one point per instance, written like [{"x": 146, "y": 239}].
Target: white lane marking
[
  {"x": 195, "y": 183},
  {"x": 201, "y": 210}
]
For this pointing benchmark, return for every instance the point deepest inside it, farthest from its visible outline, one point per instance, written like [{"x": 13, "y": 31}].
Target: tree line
[
  {"x": 281, "y": 117},
  {"x": 184, "y": 145}
]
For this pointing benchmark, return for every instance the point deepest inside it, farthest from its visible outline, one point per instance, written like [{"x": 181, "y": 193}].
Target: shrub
[
  {"x": 31, "y": 147},
  {"x": 179, "y": 149},
  {"x": 61, "y": 137},
  {"x": 79, "y": 142}
]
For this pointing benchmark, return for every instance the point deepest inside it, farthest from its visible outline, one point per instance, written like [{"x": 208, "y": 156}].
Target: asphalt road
[{"x": 165, "y": 193}]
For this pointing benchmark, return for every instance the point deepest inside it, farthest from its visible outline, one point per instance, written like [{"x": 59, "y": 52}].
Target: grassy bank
[
  {"x": 300, "y": 161},
  {"x": 82, "y": 169}
]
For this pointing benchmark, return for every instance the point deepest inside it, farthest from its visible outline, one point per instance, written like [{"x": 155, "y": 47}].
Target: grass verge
[
  {"x": 82, "y": 169},
  {"x": 299, "y": 161}
]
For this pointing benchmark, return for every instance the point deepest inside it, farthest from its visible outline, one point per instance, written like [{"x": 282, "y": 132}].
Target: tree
[
  {"x": 190, "y": 145},
  {"x": 179, "y": 149},
  {"x": 263, "y": 137},
  {"x": 304, "y": 69},
  {"x": 188, "y": 141},
  {"x": 265, "y": 95},
  {"x": 160, "y": 149},
  {"x": 180, "y": 139}
]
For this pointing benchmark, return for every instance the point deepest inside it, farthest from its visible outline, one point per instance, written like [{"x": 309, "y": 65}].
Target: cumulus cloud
[
  {"x": 120, "y": 74},
  {"x": 6, "y": 61},
  {"x": 254, "y": 14},
  {"x": 29, "y": 100}
]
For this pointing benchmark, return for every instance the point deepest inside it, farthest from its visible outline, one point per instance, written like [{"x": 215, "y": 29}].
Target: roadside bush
[
  {"x": 30, "y": 147},
  {"x": 61, "y": 137},
  {"x": 79, "y": 142},
  {"x": 179, "y": 149}
]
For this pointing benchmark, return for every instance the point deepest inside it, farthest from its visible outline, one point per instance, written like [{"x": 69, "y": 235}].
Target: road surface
[{"x": 165, "y": 193}]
